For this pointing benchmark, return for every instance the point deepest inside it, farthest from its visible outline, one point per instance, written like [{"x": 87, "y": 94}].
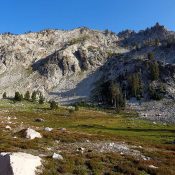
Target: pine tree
[
  {"x": 154, "y": 69},
  {"x": 41, "y": 99},
  {"x": 116, "y": 96},
  {"x": 157, "y": 42},
  {"x": 33, "y": 97},
  {"x": 18, "y": 96},
  {"x": 53, "y": 105},
  {"x": 27, "y": 95},
  {"x": 115, "y": 93},
  {"x": 4, "y": 95},
  {"x": 135, "y": 84}
]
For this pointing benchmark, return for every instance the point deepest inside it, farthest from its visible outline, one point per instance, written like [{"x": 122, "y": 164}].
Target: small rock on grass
[
  {"x": 8, "y": 127},
  {"x": 57, "y": 141},
  {"x": 81, "y": 150},
  {"x": 49, "y": 149},
  {"x": 63, "y": 129},
  {"x": 152, "y": 166},
  {"x": 48, "y": 129},
  {"x": 32, "y": 134},
  {"x": 57, "y": 156},
  {"x": 39, "y": 120}
]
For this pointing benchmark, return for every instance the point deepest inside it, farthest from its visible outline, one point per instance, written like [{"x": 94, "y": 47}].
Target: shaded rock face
[
  {"x": 6, "y": 168},
  {"x": 126, "y": 34},
  {"x": 71, "y": 60},
  {"x": 157, "y": 32}
]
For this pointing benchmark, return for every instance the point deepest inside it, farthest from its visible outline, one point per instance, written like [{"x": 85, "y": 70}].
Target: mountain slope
[
  {"x": 65, "y": 65},
  {"x": 46, "y": 60}
]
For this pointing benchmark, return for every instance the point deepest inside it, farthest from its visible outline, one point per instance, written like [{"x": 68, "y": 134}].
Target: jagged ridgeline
[{"x": 83, "y": 63}]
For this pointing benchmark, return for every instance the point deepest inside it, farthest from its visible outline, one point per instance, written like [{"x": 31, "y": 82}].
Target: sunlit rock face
[
  {"x": 65, "y": 65},
  {"x": 47, "y": 60}
]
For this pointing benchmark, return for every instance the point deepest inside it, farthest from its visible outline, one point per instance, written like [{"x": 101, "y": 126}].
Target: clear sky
[{"x": 19, "y": 16}]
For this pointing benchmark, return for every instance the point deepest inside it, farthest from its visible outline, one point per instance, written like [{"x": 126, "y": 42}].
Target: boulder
[
  {"x": 32, "y": 134},
  {"x": 19, "y": 164}
]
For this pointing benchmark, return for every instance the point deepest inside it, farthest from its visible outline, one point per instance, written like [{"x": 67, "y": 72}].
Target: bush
[
  {"x": 4, "y": 95},
  {"x": 151, "y": 56},
  {"x": 157, "y": 93},
  {"x": 71, "y": 111},
  {"x": 76, "y": 108},
  {"x": 53, "y": 105},
  {"x": 80, "y": 170}
]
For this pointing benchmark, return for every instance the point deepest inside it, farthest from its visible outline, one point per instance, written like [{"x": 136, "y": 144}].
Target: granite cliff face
[
  {"x": 53, "y": 60},
  {"x": 64, "y": 65}
]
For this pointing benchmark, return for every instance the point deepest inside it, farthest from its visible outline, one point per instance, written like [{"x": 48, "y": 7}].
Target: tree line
[
  {"x": 35, "y": 96},
  {"x": 131, "y": 84}
]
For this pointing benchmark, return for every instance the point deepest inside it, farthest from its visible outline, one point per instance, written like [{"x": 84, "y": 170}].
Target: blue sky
[{"x": 19, "y": 16}]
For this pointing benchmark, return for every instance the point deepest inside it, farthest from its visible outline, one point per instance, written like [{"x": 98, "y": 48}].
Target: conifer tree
[
  {"x": 151, "y": 56},
  {"x": 116, "y": 96},
  {"x": 27, "y": 95},
  {"x": 41, "y": 99},
  {"x": 4, "y": 95},
  {"x": 135, "y": 84},
  {"x": 18, "y": 96},
  {"x": 154, "y": 69},
  {"x": 53, "y": 105},
  {"x": 33, "y": 97}
]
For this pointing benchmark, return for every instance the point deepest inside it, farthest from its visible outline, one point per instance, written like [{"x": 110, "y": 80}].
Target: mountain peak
[
  {"x": 126, "y": 33},
  {"x": 158, "y": 27}
]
